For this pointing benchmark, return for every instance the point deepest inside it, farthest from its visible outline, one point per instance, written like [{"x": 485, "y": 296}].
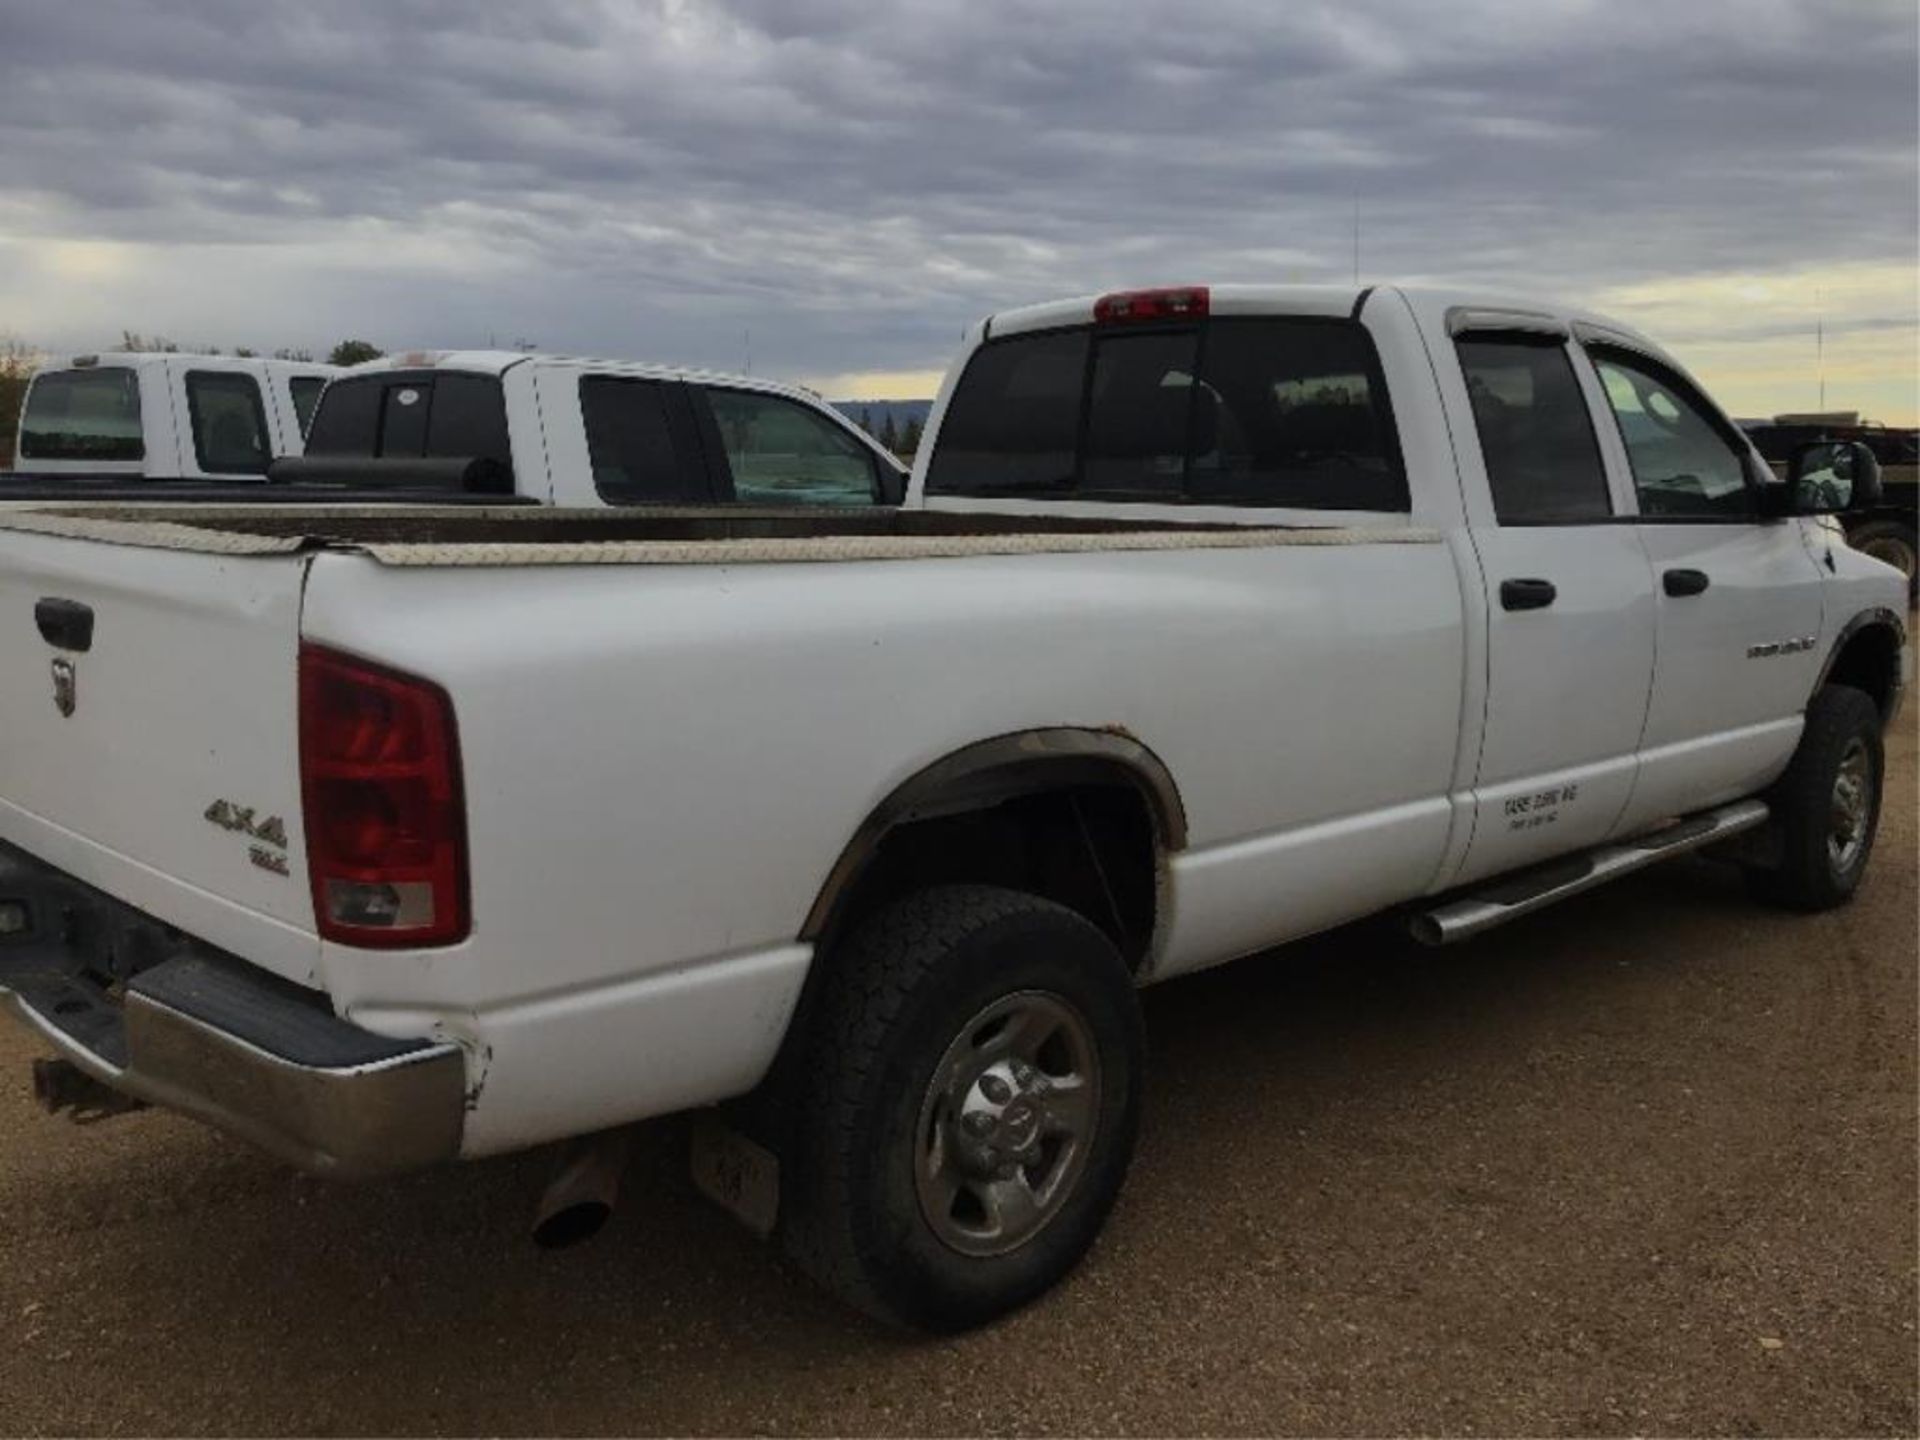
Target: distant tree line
[
  {"x": 347, "y": 352},
  {"x": 902, "y": 440},
  {"x": 17, "y": 359}
]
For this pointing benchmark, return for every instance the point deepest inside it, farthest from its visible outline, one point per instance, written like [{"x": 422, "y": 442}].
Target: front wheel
[
  {"x": 1827, "y": 804},
  {"x": 972, "y": 1094}
]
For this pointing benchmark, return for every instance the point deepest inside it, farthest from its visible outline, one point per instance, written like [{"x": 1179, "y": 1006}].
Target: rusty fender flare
[{"x": 1025, "y": 762}]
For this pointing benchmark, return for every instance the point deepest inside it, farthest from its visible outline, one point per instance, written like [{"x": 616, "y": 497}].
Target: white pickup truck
[
  {"x": 489, "y": 427},
  {"x": 128, "y": 417},
  {"x": 1213, "y": 618},
  {"x": 560, "y": 430}
]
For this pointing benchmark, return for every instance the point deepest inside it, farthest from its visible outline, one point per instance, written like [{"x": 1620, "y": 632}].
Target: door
[
  {"x": 1738, "y": 598},
  {"x": 634, "y": 439},
  {"x": 1569, "y": 605}
]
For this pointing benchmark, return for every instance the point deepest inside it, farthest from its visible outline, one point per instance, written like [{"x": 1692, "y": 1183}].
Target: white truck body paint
[
  {"x": 664, "y": 761},
  {"x": 546, "y": 431},
  {"x": 165, "y": 419}
]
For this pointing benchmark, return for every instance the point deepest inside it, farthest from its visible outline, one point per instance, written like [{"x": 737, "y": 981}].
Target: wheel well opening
[
  {"x": 1869, "y": 661},
  {"x": 1093, "y": 845},
  {"x": 1090, "y": 847}
]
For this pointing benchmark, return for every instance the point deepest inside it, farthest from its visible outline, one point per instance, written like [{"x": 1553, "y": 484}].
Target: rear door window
[
  {"x": 640, "y": 442},
  {"x": 1243, "y": 411},
  {"x": 83, "y": 415},
  {"x": 1536, "y": 432},
  {"x": 229, "y": 423},
  {"x": 780, "y": 452}
]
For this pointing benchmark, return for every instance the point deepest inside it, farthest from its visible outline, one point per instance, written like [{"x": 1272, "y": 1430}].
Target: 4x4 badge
[{"x": 65, "y": 680}]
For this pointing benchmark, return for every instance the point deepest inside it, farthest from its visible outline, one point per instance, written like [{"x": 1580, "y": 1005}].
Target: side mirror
[{"x": 1829, "y": 476}]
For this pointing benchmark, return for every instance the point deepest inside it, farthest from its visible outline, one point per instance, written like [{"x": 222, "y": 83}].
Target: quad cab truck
[
  {"x": 113, "y": 421},
  {"x": 489, "y": 428},
  {"x": 1214, "y": 618}
]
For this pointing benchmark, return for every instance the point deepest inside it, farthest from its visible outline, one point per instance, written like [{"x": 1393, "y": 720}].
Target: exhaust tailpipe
[{"x": 582, "y": 1192}]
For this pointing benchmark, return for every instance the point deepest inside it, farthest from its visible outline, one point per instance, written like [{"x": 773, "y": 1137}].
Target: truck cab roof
[
  {"x": 146, "y": 359},
  {"x": 566, "y": 429},
  {"x": 1332, "y": 301},
  {"x": 499, "y": 362}
]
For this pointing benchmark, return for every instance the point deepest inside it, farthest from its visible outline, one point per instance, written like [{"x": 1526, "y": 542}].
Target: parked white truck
[
  {"x": 120, "y": 418},
  {"x": 452, "y": 426},
  {"x": 1214, "y": 618},
  {"x": 561, "y": 430}
]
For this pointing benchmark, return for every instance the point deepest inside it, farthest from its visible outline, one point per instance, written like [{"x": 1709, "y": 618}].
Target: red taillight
[
  {"x": 1132, "y": 307},
  {"x": 380, "y": 788}
]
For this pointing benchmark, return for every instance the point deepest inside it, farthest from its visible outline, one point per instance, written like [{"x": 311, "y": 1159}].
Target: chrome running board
[{"x": 1526, "y": 891}]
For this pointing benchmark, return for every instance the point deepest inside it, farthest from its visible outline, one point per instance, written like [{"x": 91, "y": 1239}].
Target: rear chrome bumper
[{"x": 160, "y": 1017}]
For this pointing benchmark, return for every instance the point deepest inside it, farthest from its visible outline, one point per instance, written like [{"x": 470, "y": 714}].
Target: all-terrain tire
[
  {"x": 1822, "y": 851},
  {"x": 902, "y": 997}
]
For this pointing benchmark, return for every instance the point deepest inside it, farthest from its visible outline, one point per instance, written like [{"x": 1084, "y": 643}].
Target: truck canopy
[{"x": 165, "y": 416}]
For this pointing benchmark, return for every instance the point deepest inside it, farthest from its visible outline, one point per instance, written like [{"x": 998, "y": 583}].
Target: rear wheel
[
  {"x": 1827, "y": 805},
  {"x": 972, "y": 1093}
]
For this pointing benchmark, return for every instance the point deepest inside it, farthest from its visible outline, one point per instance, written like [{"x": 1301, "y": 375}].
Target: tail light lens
[
  {"x": 380, "y": 788},
  {"x": 1136, "y": 307}
]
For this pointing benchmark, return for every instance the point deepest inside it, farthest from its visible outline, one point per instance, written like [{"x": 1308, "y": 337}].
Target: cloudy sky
[{"x": 833, "y": 190}]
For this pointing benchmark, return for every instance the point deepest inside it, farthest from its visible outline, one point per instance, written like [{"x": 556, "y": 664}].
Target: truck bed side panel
[{"x": 663, "y": 763}]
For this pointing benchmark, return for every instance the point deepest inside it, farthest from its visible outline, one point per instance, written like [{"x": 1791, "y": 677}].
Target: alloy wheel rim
[
  {"x": 1851, "y": 812},
  {"x": 1007, "y": 1122}
]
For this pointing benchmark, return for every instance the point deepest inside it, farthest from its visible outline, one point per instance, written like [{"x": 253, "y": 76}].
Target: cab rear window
[
  {"x": 1240, "y": 411},
  {"x": 83, "y": 415},
  {"x": 446, "y": 415}
]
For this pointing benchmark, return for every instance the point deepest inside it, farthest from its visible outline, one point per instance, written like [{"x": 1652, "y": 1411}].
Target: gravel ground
[{"x": 1643, "y": 1164}]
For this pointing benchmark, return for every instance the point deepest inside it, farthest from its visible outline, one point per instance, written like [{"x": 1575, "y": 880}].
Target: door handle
[
  {"x": 1684, "y": 582},
  {"x": 1526, "y": 594},
  {"x": 65, "y": 624}
]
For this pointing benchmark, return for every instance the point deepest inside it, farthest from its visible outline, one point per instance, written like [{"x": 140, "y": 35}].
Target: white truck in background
[
  {"x": 116, "y": 418},
  {"x": 445, "y": 427},
  {"x": 1213, "y": 618},
  {"x": 572, "y": 432}
]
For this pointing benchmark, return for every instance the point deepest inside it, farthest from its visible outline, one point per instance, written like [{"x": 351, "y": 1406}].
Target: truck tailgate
[{"x": 149, "y": 733}]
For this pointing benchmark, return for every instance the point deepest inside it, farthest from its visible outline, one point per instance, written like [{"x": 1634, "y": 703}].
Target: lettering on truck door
[{"x": 1569, "y": 600}]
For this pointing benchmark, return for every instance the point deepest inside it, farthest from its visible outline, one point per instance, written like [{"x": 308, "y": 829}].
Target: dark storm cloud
[{"x": 854, "y": 182}]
